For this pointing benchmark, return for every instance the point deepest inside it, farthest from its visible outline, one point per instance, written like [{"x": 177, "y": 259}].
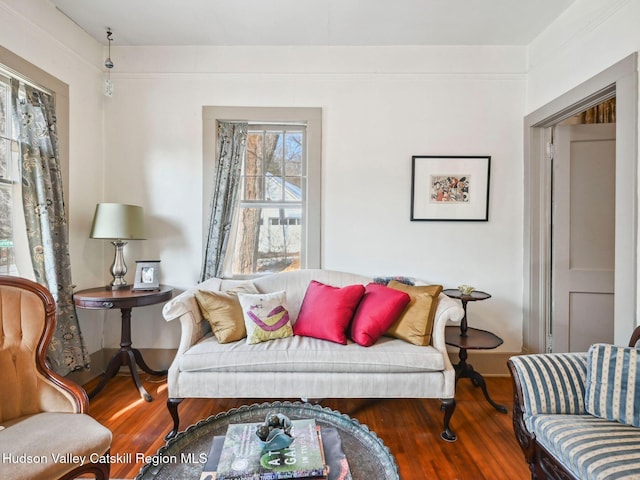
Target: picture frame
[
  {"x": 450, "y": 188},
  {"x": 147, "y": 275}
]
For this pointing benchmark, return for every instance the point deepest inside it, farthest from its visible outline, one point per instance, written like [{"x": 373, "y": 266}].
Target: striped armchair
[{"x": 551, "y": 420}]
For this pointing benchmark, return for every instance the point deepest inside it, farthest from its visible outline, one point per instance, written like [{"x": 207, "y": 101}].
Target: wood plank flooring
[{"x": 486, "y": 446}]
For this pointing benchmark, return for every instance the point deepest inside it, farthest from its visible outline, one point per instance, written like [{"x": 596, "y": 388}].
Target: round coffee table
[{"x": 181, "y": 457}]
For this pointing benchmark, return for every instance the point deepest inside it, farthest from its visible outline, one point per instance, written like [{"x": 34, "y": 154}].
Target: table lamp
[{"x": 118, "y": 222}]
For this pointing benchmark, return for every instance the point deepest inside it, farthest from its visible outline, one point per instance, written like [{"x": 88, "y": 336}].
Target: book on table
[
  {"x": 335, "y": 457},
  {"x": 241, "y": 455},
  {"x": 213, "y": 457}
]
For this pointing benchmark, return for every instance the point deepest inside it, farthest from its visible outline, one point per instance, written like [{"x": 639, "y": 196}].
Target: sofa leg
[
  {"x": 172, "y": 406},
  {"x": 448, "y": 406}
]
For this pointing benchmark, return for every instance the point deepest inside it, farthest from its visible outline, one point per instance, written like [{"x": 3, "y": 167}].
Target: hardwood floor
[{"x": 486, "y": 446}]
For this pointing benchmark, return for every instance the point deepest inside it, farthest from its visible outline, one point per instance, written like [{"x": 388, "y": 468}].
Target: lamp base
[{"x": 119, "y": 268}]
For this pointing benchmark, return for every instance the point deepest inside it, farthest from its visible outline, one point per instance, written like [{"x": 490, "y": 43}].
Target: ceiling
[{"x": 314, "y": 22}]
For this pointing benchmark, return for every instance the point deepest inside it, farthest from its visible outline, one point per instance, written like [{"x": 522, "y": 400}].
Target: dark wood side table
[
  {"x": 102, "y": 298},
  {"x": 465, "y": 298},
  {"x": 466, "y": 338}
]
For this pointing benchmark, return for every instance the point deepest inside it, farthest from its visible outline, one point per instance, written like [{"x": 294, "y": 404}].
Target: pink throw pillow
[
  {"x": 326, "y": 311},
  {"x": 379, "y": 308}
]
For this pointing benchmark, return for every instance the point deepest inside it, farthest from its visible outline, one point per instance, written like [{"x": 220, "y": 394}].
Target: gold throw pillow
[
  {"x": 416, "y": 321},
  {"x": 224, "y": 313}
]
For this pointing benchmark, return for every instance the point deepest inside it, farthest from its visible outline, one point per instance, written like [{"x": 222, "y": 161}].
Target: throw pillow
[
  {"x": 613, "y": 383},
  {"x": 379, "y": 308},
  {"x": 223, "y": 312},
  {"x": 416, "y": 321},
  {"x": 265, "y": 316},
  {"x": 326, "y": 311},
  {"x": 384, "y": 280}
]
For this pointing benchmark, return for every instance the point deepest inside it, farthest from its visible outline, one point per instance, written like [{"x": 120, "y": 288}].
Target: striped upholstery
[
  {"x": 554, "y": 388},
  {"x": 613, "y": 383},
  {"x": 590, "y": 447},
  {"x": 552, "y": 383}
]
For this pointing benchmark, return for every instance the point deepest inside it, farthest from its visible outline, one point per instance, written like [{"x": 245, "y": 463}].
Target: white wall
[
  {"x": 44, "y": 37},
  {"x": 380, "y": 107},
  {"x": 590, "y": 36}
]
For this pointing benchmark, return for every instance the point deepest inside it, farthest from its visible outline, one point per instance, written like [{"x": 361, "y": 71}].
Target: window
[
  {"x": 277, "y": 223},
  {"x": 9, "y": 181},
  {"x": 14, "y": 253},
  {"x": 271, "y": 187}
]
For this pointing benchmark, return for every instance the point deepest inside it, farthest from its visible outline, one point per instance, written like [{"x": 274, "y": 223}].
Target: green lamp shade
[{"x": 118, "y": 222}]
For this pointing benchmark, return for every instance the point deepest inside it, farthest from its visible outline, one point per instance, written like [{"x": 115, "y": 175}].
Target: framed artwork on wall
[
  {"x": 147, "y": 274},
  {"x": 450, "y": 188}
]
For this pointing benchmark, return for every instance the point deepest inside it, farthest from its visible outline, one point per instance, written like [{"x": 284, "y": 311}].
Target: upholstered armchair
[
  {"x": 577, "y": 415},
  {"x": 44, "y": 429}
]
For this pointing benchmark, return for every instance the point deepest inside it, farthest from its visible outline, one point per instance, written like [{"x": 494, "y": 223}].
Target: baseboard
[
  {"x": 490, "y": 364},
  {"x": 156, "y": 358}
]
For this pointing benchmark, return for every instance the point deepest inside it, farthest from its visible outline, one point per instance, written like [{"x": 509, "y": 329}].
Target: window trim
[{"x": 312, "y": 117}]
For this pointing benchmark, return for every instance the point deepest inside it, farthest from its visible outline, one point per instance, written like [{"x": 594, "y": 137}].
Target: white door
[{"x": 583, "y": 238}]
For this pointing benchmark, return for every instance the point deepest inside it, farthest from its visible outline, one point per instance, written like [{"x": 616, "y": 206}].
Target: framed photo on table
[
  {"x": 147, "y": 275},
  {"x": 450, "y": 188}
]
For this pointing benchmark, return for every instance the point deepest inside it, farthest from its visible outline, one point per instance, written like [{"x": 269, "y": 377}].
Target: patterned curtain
[
  {"x": 43, "y": 201},
  {"x": 603, "y": 113},
  {"x": 232, "y": 138}
]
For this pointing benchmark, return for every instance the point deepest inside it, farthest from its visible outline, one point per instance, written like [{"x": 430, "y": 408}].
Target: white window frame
[{"x": 312, "y": 118}]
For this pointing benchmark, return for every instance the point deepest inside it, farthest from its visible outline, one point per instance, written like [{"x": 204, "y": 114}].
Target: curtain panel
[
  {"x": 230, "y": 147},
  {"x": 47, "y": 228}
]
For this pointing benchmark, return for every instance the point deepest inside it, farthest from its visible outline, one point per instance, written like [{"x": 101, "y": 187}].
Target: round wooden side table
[
  {"x": 102, "y": 298},
  {"x": 467, "y": 338}
]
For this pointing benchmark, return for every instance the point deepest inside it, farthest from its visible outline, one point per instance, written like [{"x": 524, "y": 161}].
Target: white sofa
[{"x": 305, "y": 367}]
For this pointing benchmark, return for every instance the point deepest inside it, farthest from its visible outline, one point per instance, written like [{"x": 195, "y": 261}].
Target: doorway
[
  {"x": 619, "y": 81},
  {"x": 582, "y": 231}
]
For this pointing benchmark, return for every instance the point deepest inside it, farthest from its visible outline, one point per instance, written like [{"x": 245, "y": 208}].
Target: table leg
[
  {"x": 114, "y": 367},
  {"x": 131, "y": 361},
  {"x": 463, "y": 323},
  {"x": 143, "y": 365},
  {"x": 127, "y": 356},
  {"x": 464, "y": 370}
]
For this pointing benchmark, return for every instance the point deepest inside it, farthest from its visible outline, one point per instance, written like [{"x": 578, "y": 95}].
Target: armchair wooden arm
[{"x": 635, "y": 337}]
